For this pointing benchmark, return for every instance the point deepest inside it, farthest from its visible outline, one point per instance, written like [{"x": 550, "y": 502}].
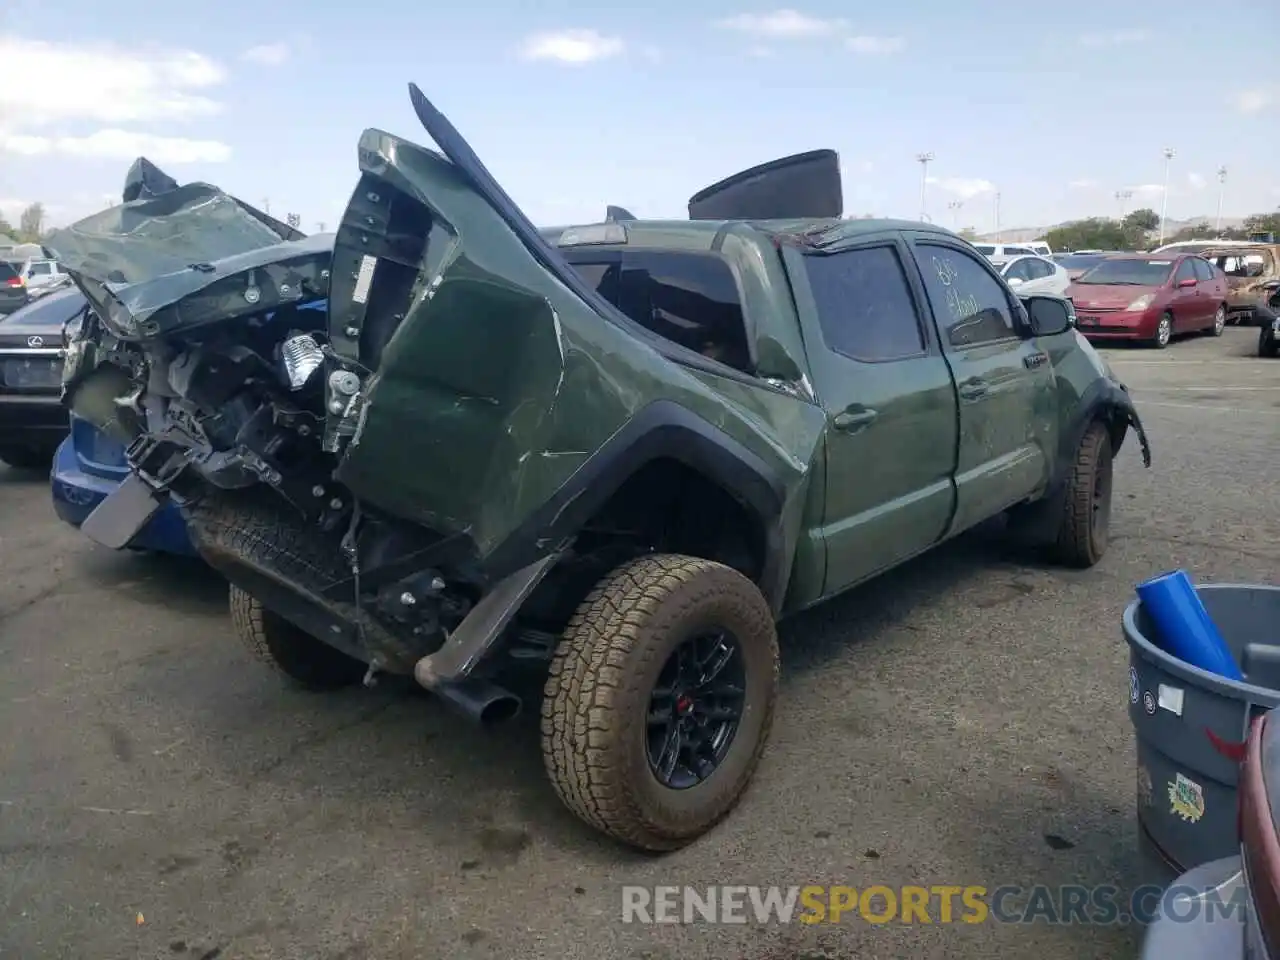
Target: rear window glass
[
  {"x": 41, "y": 269},
  {"x": 687, "y": 298},
  {"x": 985, "y": 249},
  {"x": 7, "y": 270}
]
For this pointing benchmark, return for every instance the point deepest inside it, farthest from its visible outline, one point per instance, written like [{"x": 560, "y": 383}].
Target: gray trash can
[{"x": 1189, "y": 724}]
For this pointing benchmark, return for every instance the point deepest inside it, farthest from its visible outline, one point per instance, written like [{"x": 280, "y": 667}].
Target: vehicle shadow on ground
[
  {"x": 12, "y": 476},
  {"x": 183, "y": 584},
  {"x": 407, "y": 761}
]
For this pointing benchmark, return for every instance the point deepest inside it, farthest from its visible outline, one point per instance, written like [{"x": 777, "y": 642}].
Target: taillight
[
  {"x": 1259, "y": 843},
  {"x": 15, "y": 282}
]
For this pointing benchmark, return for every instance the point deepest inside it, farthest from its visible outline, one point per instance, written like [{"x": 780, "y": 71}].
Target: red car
[{"x": 1150, "y": 297}]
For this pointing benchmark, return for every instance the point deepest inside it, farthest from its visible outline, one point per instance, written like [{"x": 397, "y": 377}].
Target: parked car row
[{"x": 22, "y": 281}]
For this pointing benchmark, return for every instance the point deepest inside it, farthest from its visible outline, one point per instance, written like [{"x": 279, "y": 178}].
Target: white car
[
  {"x": 1001, "y": 253},
  {"x": 1031, "y": 275},
  {"x": 41, "y": 276}
]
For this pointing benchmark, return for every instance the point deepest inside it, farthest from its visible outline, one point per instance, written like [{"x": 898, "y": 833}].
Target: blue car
[
  {"x": 86, "y": 468},
  {"x": 89, "y": 465}
]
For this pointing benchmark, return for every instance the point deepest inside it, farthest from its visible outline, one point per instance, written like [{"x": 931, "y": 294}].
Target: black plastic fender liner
[{"x": 661, "y": 430}]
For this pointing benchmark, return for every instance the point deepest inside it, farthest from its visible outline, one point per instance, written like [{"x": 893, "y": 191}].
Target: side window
[
  {"x": 687, "y": 298},
  {"x": 1020, "y": 270},
  {"x": 969, "y": 304},
  {"x": 1016, "y": 251},
  {"x": 40, "y": 270},
  {"x": 1202, "y": 269},
  {"x": 865, "y": 307},
  {"x": 1041, "y": 269},
  {"x": 1185, "y": 271}
]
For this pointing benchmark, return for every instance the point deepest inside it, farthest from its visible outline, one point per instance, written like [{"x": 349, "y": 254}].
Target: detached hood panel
[{"x": 137, "y": 261}]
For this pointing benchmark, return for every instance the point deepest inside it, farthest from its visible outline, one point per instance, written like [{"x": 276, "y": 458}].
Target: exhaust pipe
[{"x": 478, "y": 700}]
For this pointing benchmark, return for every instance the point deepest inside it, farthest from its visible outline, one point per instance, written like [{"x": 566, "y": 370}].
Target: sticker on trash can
[
  {"x": 1149, "y": 703},
  {"x": 1145, "y": 792},
  {"x": 1133, "y": 685},
  {"x": 1186, "y": 798}
]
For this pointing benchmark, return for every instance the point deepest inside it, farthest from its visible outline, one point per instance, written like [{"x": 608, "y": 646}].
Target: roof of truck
[{"x": 703, "y": 233}]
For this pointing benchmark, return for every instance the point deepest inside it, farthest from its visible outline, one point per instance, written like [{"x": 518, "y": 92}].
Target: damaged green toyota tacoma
[{"x": 626, "y": 449}]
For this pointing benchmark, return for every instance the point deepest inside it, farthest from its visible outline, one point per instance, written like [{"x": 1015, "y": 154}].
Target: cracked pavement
[{"x": 935, "y": 727}]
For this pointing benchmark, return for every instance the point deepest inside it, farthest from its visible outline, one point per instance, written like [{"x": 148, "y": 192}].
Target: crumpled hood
[{"x": 167, "y": 242}]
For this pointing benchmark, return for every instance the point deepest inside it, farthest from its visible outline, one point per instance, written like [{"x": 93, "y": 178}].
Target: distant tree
[
  {"x": 1142, "y": 219},
  {"x": 1262, "y": 223},
  {"x": 1097, "y": 233},
  {"x": 31, "y": 223},
  {"x": 1197, "y": 231},
  {"x": 5, "y": 227}
]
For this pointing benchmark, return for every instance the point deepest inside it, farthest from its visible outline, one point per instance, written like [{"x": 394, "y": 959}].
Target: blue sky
[{"x": 574, "y": 106}]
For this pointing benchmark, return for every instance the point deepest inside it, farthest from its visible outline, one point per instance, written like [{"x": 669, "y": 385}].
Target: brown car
[{"x": 1249, "y": 269}]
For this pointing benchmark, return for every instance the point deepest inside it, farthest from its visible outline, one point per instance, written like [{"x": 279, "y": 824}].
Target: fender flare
[
  {"x": 661, "y": 430},
  {"x": 1107, "y": 400}
]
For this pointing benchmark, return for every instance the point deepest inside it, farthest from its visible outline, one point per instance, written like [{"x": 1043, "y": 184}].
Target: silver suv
[{"x": 40, "y": 276}]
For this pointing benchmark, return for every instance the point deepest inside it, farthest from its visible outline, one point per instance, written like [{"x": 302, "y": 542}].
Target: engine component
[{"x": 301, "y": 357}]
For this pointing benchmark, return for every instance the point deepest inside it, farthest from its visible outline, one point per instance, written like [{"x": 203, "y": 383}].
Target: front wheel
[
  {"x": 296, "y": 655},
  {"x": 1268, "y": 346},
  {"x": 1084, "y": 531},
  {"x": 1164, "y": 332},
  {"x": 660, "y": 698}
]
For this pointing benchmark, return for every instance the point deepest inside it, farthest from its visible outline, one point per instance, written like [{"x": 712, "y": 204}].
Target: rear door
[
  {"x": 1005, "y": 384},
  {"x": 890, "y": 404}
]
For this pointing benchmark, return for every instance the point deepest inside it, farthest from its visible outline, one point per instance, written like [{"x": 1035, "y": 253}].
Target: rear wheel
[
  {"x": 1164, "y": 332},
  {"x": 660, "y": 698},
  {"x": 1219, "y": 320},
  {"x": 1084, "y": 532},
  {"x": 293, "y": 653},
  {"x": 22, "y": 456}
]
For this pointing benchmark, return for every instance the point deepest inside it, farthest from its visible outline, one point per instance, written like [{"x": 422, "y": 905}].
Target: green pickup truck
[{"x": 625, "y": 449}]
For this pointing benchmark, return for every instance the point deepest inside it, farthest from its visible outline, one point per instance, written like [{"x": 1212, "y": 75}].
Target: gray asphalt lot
[{"x": 935, "y": 727}]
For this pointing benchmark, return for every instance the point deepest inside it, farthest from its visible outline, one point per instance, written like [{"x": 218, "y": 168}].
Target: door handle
[
  {"x": 973, "y": 390},
  {"x": 851, "y": 421},
  {"x": 1031, "y": 361}
]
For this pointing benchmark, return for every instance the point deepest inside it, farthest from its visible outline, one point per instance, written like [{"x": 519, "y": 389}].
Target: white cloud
[
  {"x": 267, "y": 54},
  {"x": 1083, "y": 184},
  {"x": 785, "y": 24},
  {"x": 104, "y": 83},
  {"x": 876, "y": 45},
  {"x": 1252, "y": 101},
  {"x": 965, "y": 188},
  {"x": 1148, "y": 188},
  {"x": 1196, "y": 181},
  {"x": 760, "y": 52},
  {"x": 114, "y": 144},
  {"x": 11, "y": 208},
  {"x": 571, "y": 46},
  {"x": 1115, "y": 38}
]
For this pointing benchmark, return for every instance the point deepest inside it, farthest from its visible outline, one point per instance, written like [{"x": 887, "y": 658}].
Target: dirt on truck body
[
  {"x": 1252, "y": 272},
  {"x": 625, "y": 449}
]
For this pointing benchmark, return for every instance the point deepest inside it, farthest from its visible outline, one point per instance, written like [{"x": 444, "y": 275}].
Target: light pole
[
  {"x": 1222, "y": 188},
  {"x": 997, "y": 204},
  {"x": 1169, "y": 154},
  {"x": 1123, "y": 196},
  {"x": 954, "y": 206},
  {"x": 924, "y": 159}
]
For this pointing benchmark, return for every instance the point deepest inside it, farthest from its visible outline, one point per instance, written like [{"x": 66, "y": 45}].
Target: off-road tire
[
  {"x": 1082, "y": 541},
  {"x": 296, "y": 655},
  {"x": 27, "y": 457},
  {"x": 257, "y": 529},
  {"x": 596, "y": 699}
]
